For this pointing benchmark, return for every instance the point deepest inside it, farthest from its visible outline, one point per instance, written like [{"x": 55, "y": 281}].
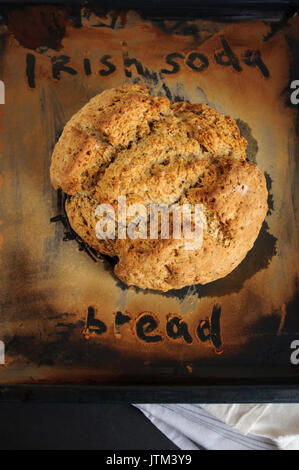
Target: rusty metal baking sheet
[{"x": 67, "y": 320}]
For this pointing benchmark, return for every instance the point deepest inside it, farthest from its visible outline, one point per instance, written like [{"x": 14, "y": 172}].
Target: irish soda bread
[{"x": 124, "y": 142}]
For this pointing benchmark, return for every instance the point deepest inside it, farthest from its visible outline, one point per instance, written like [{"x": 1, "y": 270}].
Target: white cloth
[
  {"x": 227, "y": 426},
  {"x": 279, "y": 422}
]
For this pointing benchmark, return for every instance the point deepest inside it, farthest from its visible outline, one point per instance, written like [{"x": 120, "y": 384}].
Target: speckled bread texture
[{"x": 124, "y": 142}]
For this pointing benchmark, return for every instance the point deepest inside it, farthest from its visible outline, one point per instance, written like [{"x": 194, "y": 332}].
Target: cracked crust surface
[{"x": 125, "y": 142}]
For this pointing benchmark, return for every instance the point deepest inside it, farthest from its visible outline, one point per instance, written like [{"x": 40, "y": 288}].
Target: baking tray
[{"x": 70, "y": 329}]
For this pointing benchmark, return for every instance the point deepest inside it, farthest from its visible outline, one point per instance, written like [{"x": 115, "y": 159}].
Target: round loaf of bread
[{"x": 124, "y": 142}]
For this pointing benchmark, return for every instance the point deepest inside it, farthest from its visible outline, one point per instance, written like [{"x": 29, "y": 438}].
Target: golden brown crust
[
  {"x": 217, "y": 134},
  {"x": 126, "y": 143},
  {"x": 107, "y": 123}
]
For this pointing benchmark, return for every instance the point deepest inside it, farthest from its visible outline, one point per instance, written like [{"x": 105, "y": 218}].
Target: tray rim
[
  {"x": 211, "y": 393},
  {"x": 149, "y": 393}
]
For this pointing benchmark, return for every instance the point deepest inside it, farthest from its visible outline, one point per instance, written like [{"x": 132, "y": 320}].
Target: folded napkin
[{"x": 227, "y": 426}]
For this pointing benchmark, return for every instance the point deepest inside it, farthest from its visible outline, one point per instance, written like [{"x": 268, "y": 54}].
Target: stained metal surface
[{"x": 67, "y": 320}]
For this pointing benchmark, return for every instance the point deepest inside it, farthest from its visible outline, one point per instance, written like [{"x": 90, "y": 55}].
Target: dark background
[{"x": 36, "y": 426}]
